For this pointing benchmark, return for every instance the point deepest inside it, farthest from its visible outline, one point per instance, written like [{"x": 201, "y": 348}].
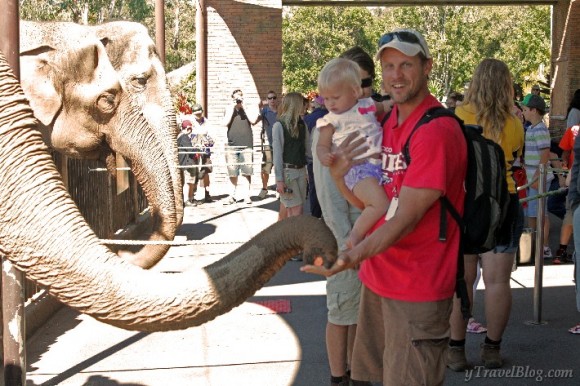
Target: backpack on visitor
[{"x": 486, "y": 198}]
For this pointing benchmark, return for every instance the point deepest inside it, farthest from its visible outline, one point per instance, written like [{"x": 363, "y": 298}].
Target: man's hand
[
  {"x": 344, "y": 262},
  {"x": 344, "y": 156}
]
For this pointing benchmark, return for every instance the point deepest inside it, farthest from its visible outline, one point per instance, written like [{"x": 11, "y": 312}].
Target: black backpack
[{"x": 486, "y": 198}]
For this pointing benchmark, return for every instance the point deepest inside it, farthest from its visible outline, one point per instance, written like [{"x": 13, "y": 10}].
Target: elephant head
[
  {"x": 133, "y": 55},
  {"x": 88, "y": 109},
  {"x": 38, "y": 219}
]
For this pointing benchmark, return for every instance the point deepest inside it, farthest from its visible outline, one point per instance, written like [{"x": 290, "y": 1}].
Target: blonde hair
[
  {"x": 491, "y": 93},
  {"x": 340, "y": 71},
  {"x": 290, "y": 110}
]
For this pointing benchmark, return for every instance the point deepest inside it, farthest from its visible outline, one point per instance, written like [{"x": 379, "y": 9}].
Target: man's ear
[{"x": 39, "y": 86}]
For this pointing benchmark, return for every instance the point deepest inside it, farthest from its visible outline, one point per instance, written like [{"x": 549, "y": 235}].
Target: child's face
[
  {"x": 529, "y": 114},
  {"x": 340, "y": 98}
]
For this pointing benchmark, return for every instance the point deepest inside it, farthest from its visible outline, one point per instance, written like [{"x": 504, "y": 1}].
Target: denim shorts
[
  {"x": 532, "y": 209},
  {"x": 240, "y": 161}
]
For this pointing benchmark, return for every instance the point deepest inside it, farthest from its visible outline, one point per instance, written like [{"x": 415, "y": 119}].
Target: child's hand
[
  {"x": 328, "y": 159},
  {"x": 353, "y": 239}
]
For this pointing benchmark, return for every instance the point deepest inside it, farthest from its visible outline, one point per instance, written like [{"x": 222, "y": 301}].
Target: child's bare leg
[{"x": 372, "y": 194}]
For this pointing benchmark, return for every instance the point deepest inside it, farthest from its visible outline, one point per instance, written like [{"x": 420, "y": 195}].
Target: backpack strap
[
  {"x": 446, "y": 206},
  {"x": 385, "y": 117}
]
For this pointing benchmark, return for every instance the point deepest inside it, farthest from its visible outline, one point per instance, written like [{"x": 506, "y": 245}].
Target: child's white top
[{"x": 359, "y": 119}]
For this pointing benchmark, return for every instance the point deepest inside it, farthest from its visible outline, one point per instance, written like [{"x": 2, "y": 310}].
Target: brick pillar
[
  {"x": 244, "y": 50},
  {"x": 565, "y": 59}
]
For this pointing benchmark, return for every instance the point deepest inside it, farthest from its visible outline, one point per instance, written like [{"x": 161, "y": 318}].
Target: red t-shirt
[
  {"x": 567, "y": 142},
  {"x": 419, "y": 267}
]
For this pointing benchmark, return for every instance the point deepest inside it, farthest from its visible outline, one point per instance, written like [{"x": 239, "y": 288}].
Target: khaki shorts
[
  {"x": 189, "y": 178},
  {"x": 400, "y": 343},
  {"x": 267, "y": 162},
  {"x": 343, "y": 297},
  {"x": 243, "y": 158},
  {"x": 296, "y": 180}
]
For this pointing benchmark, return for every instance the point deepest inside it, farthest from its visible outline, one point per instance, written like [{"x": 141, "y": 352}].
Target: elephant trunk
[
  {"x": 154, "y": 167},
  {"x": 43, "y": 234}
]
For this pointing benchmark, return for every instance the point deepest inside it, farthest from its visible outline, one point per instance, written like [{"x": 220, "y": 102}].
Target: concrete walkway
[{"x": 256, "y": 346}]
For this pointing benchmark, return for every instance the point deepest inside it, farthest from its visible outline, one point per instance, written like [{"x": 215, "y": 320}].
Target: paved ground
[{"x": 255, "y": 346}]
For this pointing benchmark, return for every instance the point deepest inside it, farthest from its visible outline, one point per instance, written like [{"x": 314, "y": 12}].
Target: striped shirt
[{"x": 537, "y": 139}]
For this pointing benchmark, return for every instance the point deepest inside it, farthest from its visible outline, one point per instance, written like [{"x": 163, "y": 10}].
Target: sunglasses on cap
[
  {"x": 272, "y": 98},
  {"x": 402, "y": 36}
]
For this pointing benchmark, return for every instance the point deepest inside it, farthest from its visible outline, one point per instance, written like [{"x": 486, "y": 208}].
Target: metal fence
[{"x": 105, "y": 209}]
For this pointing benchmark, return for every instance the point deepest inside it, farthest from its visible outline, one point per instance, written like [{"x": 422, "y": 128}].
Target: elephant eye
[
  {"x": 107, "y": 102},
  {"x": 139, "y": 82}
]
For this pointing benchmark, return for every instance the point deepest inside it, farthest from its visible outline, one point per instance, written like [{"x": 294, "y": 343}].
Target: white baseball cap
[{"x": 407, "y": 41}]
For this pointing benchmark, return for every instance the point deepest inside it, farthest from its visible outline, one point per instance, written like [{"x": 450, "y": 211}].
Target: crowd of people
[{"x": 392, "y": 313}]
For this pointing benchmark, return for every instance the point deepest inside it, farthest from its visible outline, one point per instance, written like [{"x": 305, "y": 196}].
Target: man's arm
[
  {"x": 412, "y": 204},
  {"x": 259, "y": 117}
]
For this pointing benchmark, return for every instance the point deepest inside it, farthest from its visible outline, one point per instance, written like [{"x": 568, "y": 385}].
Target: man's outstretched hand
[{"x": 343, "y": 262}]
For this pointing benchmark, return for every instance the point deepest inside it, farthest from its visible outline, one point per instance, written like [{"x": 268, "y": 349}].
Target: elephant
[
  {"x": 109, "y": 61},
  {"x": 44, "y": 235}
]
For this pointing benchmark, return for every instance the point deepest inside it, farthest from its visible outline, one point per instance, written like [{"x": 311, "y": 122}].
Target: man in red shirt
[{"x": 408, "y": 274}]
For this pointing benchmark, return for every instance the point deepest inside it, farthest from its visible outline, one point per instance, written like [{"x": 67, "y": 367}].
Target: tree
[
  {"x": 459, "y": 38},
  {"x": 314, "y": 35}
]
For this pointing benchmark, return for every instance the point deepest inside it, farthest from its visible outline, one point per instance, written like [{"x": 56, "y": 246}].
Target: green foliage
[
  {"x": 459, "y": 38},
  {"x": 314, "y": 35}
]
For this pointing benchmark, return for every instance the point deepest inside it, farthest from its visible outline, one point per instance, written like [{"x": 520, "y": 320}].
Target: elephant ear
[{"x": 38, "y": 84}]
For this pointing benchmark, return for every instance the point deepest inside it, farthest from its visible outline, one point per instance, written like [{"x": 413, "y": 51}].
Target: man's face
[
  {"x": 272, "y": 99},
  {"x": 404, "y": 77},
  {"x": 536, "y": 90}
]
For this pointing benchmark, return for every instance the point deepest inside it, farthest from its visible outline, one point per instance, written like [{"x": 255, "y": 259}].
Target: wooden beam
[{"x": 391, "y": 3}]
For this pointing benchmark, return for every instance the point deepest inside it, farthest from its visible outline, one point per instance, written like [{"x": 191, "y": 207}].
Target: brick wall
[
  {"x": 565, "y": 59},
  {"x": 244, "y": 51}
]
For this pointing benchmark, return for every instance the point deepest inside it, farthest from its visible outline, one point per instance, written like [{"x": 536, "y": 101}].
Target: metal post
[
  {"x": 160, "y": 29},
  {"x": 539, "y": 263}
]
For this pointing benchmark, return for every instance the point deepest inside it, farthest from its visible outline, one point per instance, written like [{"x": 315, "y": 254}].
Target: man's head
[
  {"x": 197, "y": 109},
  {"x": 272, "y": 98},
  {"x": 406, "y": 63},
  {"x": 536, "y": 89},
  {"x": 186, "y": 125},
  {"x": 238, "y": 97}
]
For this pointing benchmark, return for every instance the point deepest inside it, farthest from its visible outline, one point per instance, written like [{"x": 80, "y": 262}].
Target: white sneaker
[
  {"x": 247, "y": 200},
  {"x": 547, "y": 253},
  {"x": 263, "y": 193},
  {"x": 229, "y": 201}
]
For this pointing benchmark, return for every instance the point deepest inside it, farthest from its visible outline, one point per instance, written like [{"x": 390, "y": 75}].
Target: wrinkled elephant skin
[
  {"x": 38, "y": 217},
  {"x": 95, "y": 99}
]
